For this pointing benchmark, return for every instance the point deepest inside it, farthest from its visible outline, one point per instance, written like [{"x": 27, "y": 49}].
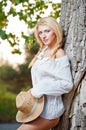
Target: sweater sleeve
[{"x": 60, "y": 84}]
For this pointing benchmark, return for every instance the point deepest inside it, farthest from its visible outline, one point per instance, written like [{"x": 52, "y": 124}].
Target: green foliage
[
  {"x": 3, "y": 34},
  {"x": 3, "y": 87},
  {"x": 32, "y": 46},
  {"x": 56, "y": 10},
  {"x": 14, "y": 51},
  {"x": 12, "y": 11},
  {"x": 20, "y": 1},
  {"x": 7, "y": 72},
  {"x": 24, "y": 69},
  {"x": 29, "y": 39},
  {"x": 3, "y": 17},
  {"x": 16, "y": 79},
  {"x": 7, "y": 104},
  {"x": 7, "y": 107}
]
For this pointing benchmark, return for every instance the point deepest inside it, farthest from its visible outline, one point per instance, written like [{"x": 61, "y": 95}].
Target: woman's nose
[{"x": 44, "y": 35}]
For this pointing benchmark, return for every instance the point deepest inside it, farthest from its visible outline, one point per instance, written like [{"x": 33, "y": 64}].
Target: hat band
[{"x": 33, "y": 108}]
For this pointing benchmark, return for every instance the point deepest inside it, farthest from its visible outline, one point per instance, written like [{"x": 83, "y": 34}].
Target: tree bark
[{"x": 73, "y": 21}]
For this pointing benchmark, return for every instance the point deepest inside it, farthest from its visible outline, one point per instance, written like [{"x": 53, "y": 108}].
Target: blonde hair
[{"x": 55, "y": 26}]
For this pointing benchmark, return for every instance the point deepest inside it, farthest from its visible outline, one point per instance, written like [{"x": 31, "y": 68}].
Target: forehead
[{"x": 43, "y": 27}]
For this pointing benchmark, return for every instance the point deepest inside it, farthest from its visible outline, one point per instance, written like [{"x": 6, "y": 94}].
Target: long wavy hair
[{"x": 55, "y": 26}]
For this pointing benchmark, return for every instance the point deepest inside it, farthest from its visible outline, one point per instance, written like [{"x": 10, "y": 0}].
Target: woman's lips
[{"x": 45, "y": 40}]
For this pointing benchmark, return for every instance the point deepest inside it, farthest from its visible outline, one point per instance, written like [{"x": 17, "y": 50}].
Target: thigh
[{"x": 39, "y": 124}]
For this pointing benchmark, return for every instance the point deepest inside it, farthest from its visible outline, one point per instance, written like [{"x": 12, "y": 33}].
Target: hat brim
[{"x": 22, "y": 117}]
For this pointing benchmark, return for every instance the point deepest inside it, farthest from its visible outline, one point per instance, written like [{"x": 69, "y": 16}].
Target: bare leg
[{"x": 39, "y": 124}]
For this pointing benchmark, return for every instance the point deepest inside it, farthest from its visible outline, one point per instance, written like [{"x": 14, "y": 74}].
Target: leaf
[
  {"x": 14, "y": 51},
  {"x": 3, "y": 34},
  {"x": 31, "y": 24},
  {"x": 12, "y": 11},
  {"x": 3, "y": 18}
]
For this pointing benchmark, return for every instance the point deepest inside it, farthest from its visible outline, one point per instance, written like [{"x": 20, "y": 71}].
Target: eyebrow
[{"x": 43, "y": 30}]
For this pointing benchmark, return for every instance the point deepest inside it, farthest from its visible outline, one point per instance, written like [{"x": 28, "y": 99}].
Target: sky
[{"x": 16, "y": 27}]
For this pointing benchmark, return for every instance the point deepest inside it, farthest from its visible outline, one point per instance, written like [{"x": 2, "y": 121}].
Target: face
[{"x": 47, "y": 35}]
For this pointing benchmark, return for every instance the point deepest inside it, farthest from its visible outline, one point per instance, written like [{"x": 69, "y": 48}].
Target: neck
[{"x": 52, "y": 46}]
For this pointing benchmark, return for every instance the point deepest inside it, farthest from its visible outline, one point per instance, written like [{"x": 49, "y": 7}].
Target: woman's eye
[
  {"x": 40, "y": 33},
  {"x": 47, "y": 31}
]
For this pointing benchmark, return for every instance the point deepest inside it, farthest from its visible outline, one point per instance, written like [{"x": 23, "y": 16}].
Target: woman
[{"x": 51, "y": 75}]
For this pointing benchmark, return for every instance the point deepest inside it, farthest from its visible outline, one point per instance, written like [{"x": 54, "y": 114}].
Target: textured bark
[{"x": 73, "y": 21}]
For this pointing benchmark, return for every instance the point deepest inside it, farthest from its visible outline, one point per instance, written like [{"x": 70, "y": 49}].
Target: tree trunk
[{"x": 73, "y": 21}]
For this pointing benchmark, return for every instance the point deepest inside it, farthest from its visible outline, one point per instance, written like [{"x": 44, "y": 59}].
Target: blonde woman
[{"x": 51, "y": 75}]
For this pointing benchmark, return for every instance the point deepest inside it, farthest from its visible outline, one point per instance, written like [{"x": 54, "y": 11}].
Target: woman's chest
[{"x": 45, "y": 68}]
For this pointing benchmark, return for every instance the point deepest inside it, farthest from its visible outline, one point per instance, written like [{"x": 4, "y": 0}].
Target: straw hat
[{"x": 29, "y": 107}]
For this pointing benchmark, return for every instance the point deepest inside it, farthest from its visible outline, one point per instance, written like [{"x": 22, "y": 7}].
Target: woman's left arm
[{"x": 60, "y": 84}]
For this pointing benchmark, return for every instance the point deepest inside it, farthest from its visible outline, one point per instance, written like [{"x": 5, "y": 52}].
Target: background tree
[{"x": 73, "y": 21}]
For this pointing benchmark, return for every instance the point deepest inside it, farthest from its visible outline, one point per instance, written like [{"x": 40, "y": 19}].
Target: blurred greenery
[
  {"x": 11, "y": 83},
  {"x": 7, "y": 104},
  {"x": 16, "y": 79}
]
